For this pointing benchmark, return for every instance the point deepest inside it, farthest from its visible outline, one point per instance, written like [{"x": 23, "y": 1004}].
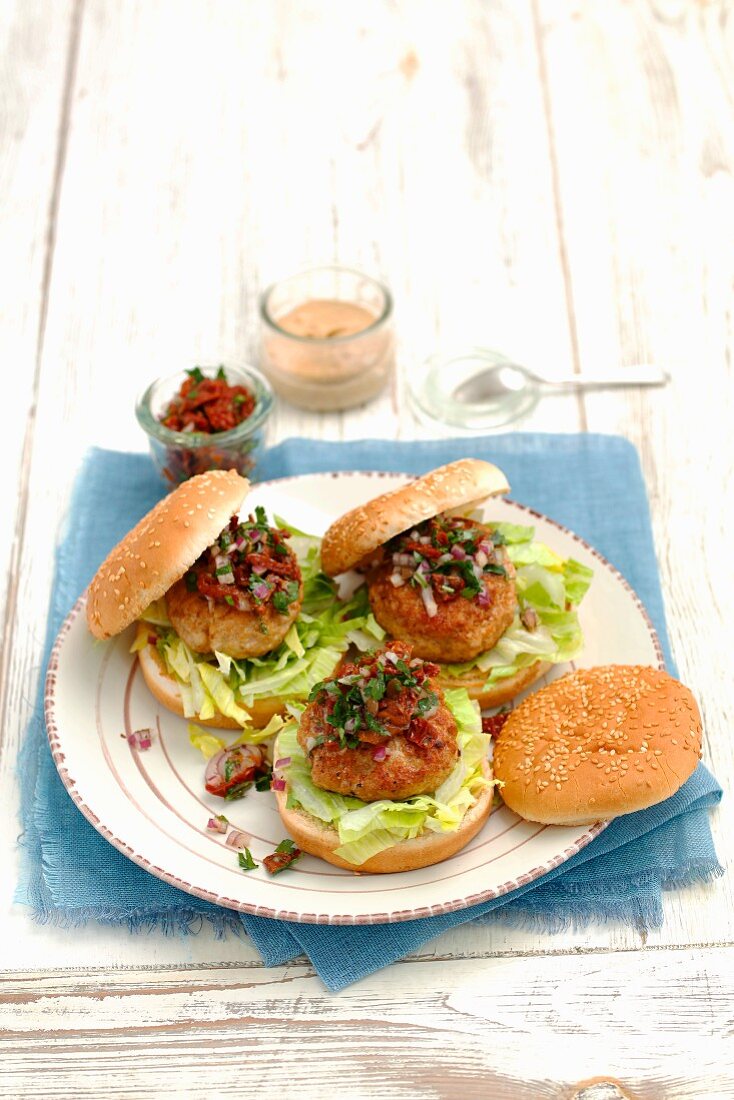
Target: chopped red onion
[
  {"x": 402, "y": 559},
  {"x": 260, "y": 590},
  {"x": 225, "y": 578},
  {"x": 429, "y": 602},
  {"x": 380, "y": 753},
  {"x": 390, "y": 656},
  {"x": 238, "y": 839},
  {"x": 216, "y": 826},
  {"x": 423, "y": 567},
  {"x": 485, "y": 546},
  {"x": 140, "y": 739},
  {"x": 283, "y": 762},
  {"x": 483, "y": 597},
  {"x": 481, "y": 558},
  {"x": 396, "y": 580},
  {"x": 258, "y": 570},
  {"x": 277, "y": 784},
  {"x": 458, "y": 552}
]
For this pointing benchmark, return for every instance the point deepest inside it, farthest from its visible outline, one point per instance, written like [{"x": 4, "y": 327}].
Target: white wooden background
[{"x": 550, "y": 177}]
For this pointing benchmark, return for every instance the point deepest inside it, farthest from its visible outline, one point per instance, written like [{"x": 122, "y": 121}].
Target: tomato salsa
[{"x": 207, "y": 405}]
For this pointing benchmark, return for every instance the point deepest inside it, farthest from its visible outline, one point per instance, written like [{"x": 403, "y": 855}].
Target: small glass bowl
[
  {"x": 180, "y": 455},
  {"x": 433, "y": 389}
]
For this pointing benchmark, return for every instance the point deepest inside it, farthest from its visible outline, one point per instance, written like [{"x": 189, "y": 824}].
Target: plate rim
[{"x": 395, "y": 916}]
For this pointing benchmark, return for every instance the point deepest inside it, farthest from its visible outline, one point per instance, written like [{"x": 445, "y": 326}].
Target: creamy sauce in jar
[{"x": 327, "y": 354}]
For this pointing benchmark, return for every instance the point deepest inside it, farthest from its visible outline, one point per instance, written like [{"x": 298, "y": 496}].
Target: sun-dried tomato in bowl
[
  {"x": 206, "y": 418},
  {"x": 208, "y": 404}
]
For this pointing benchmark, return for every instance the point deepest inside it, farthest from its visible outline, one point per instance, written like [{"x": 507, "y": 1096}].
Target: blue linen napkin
[{"x": 590, "y": 483}]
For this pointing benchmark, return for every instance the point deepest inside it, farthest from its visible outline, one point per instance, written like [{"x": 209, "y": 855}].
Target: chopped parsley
[
  {"x": 245, "y": 860},
  {"x": 237, "y": 792},
  {"x": 359, "y": 703}
]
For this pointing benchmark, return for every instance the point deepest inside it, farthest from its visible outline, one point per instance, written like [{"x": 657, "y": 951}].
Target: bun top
[
  {"x": 160, "y": 548},
  {"x": 459, "y": 486},
  {"x": 598, "y": 743}
]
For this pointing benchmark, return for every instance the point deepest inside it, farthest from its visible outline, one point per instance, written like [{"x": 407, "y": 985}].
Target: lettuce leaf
[
  {"x": 205, "y": 741},
  {"x": 550, "y": 585},
  {"x": 366, "y": 828}
]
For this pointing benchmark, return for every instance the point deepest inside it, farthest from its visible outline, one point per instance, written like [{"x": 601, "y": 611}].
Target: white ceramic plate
[{"x": 152, "y": 805}]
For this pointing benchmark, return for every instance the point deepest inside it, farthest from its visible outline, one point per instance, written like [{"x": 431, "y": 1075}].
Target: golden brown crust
[
  {"x": 160, "y": 548},
  {"x": 358, "y": 534},
  {"x": 500, "y": 693},
  {"x": 407, "y": 769},
  {"x": 237, "y": 633},
  {"x": 459, "y": 631},
  {"x": 166, "y": 691},
  {"x": 318, "y": 839},
  {"x": 598, "y": 743}
]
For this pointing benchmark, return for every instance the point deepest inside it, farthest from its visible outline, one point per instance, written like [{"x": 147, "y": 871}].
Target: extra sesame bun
[
  {"x": 166, "y": 691},
  {"x": 497, "y": 694},
  {"x": 318, "y": 839},
  {"x": 598, "y": 743},
  {"x": 160, "y": 548},
  {"x": 460, "y": 486}
]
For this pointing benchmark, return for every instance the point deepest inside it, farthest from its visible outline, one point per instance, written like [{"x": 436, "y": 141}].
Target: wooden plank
[
  {"x": 642, "y": 112},
  {"x": 36, "y": 70},
  {"x": 518, "y": 1028}
]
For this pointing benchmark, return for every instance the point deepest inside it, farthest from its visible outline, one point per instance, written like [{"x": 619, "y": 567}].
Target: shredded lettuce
[
  {"x": 309, "y": 653},
  {"x": 366, "y": 828},
  {"x": 553, "y": 587},
  {"x": 205, "y": 741}
]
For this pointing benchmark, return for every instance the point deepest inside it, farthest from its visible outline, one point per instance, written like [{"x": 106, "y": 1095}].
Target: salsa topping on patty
[
  {"x": 207, "y": 404},
  {"x": 447, "y": 557},
  {"x": 382, "y": 695},
  {"x": 249, "y": 567}
]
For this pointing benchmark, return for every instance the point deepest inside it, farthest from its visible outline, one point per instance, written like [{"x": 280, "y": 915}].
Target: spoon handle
[{"x": 641, "y": 374}]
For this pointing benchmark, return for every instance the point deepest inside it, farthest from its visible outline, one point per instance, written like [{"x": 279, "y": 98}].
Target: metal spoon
[{"x": 499, "y": 381}]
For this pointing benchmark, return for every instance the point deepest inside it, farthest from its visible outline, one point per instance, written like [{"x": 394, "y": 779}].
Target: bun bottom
[
  {"x": 167, "y": 692},
  {"x": 497, "y": 694},
  {"x": 318, "y": 839}
]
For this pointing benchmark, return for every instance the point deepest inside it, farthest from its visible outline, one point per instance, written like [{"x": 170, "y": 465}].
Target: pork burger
[
  {"x": 231, "y": 609},
  {"x": 493, "y": 607},
  {"x": 383, "y": 771}
]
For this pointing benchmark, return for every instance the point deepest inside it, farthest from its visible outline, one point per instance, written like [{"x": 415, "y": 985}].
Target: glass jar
[
  {"x": 178, "y": 455},
  {"x": 327, "y": 338}
]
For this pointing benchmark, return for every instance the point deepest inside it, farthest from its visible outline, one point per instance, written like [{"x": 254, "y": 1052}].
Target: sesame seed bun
[
  {"x": 497, "y": 694},
  {"x": 459, "y": 486},
  {"x": 598, "y": 743},
  {"x": 166, "y": 690},
  {"x": 319, "y": 839},
  {"x": 160, "y": 548}
]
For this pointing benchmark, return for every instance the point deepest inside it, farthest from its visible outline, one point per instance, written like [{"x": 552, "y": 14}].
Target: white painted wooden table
[{"x": 550, "y": 177}]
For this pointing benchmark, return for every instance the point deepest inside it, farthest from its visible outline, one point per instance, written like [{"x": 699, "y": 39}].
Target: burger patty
[
  {"x": 409, "y": 768},
  {"x": 459, "y": 631},
  {"x": 208, "y": 625}
]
